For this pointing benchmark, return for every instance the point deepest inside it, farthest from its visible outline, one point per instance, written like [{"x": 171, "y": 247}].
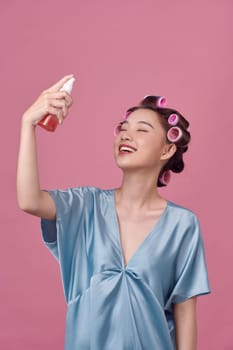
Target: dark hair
[{"x": 175, "y": 163}]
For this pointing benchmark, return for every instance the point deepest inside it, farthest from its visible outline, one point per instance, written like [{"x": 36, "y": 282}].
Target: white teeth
[{"x": 126, "y": 149}]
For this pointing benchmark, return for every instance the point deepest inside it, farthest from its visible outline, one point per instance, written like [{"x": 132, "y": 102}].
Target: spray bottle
[{"x": 50, "y": 122}]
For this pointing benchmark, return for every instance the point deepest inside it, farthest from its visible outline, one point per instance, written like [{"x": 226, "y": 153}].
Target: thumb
[{"x": 58, "y": 85}]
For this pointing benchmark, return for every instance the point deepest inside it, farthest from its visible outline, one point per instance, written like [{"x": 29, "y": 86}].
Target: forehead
[{"x": 144, "y": 115}]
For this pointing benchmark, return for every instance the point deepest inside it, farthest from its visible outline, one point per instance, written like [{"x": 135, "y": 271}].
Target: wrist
[
  {"x": 26, "y": 122},
  {"x": 27, "y": 126}
]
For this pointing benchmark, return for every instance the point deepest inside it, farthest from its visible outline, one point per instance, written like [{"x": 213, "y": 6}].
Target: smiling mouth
[{"x": 125, "y": 149}]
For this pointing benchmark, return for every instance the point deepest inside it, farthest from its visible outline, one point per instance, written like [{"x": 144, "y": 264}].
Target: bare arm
[
  {"x": 185, "y": 323},
  {"x": 31, "y": 198}
]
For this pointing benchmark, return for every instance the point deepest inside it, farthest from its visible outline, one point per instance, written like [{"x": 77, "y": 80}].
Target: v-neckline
[{"x": 147, "y": 236}]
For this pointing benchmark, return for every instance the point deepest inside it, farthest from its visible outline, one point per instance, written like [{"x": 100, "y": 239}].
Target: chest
[{"x": 134, "y": 230}]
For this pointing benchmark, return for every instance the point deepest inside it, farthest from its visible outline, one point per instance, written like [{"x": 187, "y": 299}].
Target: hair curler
[
  {"x": 165, "y": 177},
  {"x": 49, "y": 122},
  {"x": 158, "y": 101},
  {"x": 173, "y": 119},
  {"x": 174, "y": 134},
  {"x": 162, "y": 101},
  {"x": 127, "y": 114},
  {"x": 117, "y": 129}
]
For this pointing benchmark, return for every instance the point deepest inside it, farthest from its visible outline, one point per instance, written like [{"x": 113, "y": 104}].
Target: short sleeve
[
  {"x": 66, "y": 236},
  {"x": 191, "y": 277}
]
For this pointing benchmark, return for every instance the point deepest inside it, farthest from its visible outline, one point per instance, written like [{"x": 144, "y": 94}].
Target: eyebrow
[
  {"x": 139, "y": 122},
  {"x": 146, "y": 123}
]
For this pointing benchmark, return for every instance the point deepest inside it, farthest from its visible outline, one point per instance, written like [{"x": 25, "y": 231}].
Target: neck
[{"x": 139, "y": 190}]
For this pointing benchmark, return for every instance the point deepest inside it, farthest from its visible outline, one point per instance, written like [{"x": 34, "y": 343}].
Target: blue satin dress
[{"x": 115, "y": 307}]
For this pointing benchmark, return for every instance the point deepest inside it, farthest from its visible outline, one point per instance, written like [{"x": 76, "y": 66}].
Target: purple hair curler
[
  {"x": 174, "y": 134},
  {"x": 173, "y": 119},
  {"x": 165, "y": 177}
]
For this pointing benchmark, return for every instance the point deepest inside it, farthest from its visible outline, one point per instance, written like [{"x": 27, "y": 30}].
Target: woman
[{"x": 132, "y": 263}]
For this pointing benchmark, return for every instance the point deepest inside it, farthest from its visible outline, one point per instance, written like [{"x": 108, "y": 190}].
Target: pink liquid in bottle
[{"x": 50, "y": 122}]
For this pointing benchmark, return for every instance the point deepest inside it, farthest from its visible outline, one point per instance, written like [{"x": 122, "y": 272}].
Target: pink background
[{"x": 119, "y": 51}]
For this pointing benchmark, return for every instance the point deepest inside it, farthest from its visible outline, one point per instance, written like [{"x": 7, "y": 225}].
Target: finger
[
  {"x": 69, "y": 100},
  {"x": 57, "y": 103},
  {"x": 57, "y": 99},
  {"x": 57, "y": 112},
  {"x": 63, "y": 95},
  {"x": 60, "y": 116},
  {"x": 50, "y": 111},
  {"x": 59, "y": 95},
  {"x": 54, "y": 111},
  {"x": 65, "y": 111},
  {"x": 58, "y": 85},
  {"x": 61, "y": 105}
]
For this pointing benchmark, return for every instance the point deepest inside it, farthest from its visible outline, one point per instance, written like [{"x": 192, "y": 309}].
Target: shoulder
[
  {"x": 185, "y": 229},
  {"x": 91, "y": 190},
  {"x": 81, "y": 192},
  {"x": 94, "y": 199},
  {"x": 74, "y": 200},
  {"x": 182, "y": 211},
  {"x": 85, "y": 193},
  {"x": 185, "y": 219}
]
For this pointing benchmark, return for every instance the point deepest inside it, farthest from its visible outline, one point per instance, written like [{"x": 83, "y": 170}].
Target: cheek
[
  {"x": 150, "y": 142},
  {"x": 115, "y": 144},
  {"x": 153, "y": 148}
]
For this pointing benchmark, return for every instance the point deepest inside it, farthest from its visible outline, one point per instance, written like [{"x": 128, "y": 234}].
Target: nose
[{"x": 126, "y": 135}]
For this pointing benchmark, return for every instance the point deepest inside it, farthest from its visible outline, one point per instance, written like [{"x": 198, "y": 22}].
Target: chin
[{"x": 125, "y": 165}]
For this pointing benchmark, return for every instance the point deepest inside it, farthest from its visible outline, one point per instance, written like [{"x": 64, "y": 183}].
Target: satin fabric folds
[{"x": 115, "y": 307}]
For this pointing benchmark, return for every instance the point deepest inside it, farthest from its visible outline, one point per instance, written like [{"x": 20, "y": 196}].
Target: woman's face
[{"x": 140, "y": 141}]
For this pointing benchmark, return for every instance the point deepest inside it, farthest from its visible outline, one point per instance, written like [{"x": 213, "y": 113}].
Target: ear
[{"x": 168, "y": 151}]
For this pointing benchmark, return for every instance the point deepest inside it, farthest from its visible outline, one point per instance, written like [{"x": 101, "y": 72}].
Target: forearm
[
  {"x": 28, "y": 186},
  {"x": 185, "y": 325},
  {"x": 31, "y": 199}
]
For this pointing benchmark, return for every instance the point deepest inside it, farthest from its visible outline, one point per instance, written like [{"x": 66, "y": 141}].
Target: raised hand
[{"x": 51, "y": 101}]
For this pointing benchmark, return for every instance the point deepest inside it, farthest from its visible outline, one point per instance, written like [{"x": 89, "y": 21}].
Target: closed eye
[{"x": 143, "y": 130}]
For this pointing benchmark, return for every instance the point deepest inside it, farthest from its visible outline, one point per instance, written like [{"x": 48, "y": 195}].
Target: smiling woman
[
  {"x": 173, "y": 127},
  {"x": 132, "y": 263}
]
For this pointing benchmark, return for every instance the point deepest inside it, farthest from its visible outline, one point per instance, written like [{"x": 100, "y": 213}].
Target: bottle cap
[{"x": 68, "y": 86}]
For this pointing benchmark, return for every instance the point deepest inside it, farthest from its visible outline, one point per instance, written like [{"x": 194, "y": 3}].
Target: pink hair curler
[
  {"x": 158, "y": 101},
  {"x": 173, "y": 119},
  {"x": 162, "y": 101},
  {"x": 127, "y": 114},
  {"x": 174, "y": 134},
  {"x": 165, "y": 177},
  {"x": 117, "y": 129}
]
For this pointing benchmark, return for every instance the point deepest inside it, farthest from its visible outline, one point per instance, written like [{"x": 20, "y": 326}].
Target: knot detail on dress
[{"x": 117, "y": 270}]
